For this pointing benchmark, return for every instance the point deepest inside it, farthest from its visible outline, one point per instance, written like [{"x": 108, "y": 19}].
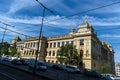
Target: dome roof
[{"x": 85, "y": 24}]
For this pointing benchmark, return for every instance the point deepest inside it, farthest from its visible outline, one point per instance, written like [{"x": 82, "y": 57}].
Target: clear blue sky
[{"x": 26, "y": 15}]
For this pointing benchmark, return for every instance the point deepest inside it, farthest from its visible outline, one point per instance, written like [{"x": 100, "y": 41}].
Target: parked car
[
  {"x": 40, "y": 65},
  {"x": 111, "y": 76},
  {"x": 92, "y": 73},
  {"x": 6, "y": 59},
  {"x": 58, "y": 66},
  {"x": 104, "y": 77},
  {"x": 16, "y": 61},
  {"x": 23, "y": 61},
  {"x": 71, "y": 69}
]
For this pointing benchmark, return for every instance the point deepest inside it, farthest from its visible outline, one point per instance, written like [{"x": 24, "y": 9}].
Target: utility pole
[
  {"x": 4, "y": 34},
  {"x": 40, "y": 34}
]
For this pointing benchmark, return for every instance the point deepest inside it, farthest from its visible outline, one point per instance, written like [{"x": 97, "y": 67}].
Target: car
[
  {"x": 104, "y": 77},
  {"x": 16, "y": 61},
  {"x": 92, "y": 73},
  {"x": 6, "y": 59},
  {"x": 40, "y": 65},
  {"x": 23, "y": 61},
  {"x": 111, "y": 76},
  {"x": 71, "y": 69},
  {"x": 57, "y": 66}
]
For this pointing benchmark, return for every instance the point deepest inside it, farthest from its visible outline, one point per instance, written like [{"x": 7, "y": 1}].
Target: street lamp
[{"x": 40, "y": 34}]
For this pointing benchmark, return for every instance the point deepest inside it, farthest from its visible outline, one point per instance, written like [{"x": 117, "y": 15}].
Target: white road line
[{"x": 7, "y": 75}]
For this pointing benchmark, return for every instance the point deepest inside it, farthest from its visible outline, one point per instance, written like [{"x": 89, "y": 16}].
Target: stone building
[
  {"x": 87, "y": 44},
  {"x": 117, "y": 69},
  {"x": 29, "y": 46},
  {"x": 91, "y": 49}
]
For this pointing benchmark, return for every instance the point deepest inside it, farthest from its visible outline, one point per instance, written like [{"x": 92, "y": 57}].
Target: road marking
[{"x": 7, "y": 76}]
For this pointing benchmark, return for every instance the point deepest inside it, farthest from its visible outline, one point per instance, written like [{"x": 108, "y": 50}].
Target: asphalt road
[
  {"x": 8, "y": 73},
  {"x": 50, "y": 73}
]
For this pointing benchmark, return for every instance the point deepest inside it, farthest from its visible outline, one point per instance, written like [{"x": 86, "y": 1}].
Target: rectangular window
[
  {"x": 62, "y": 43},
  {"x": 54, "y": 45},
  {"x": 58, "y": 44},
  {"x": 81, "y": 41},
  {"x": 50, "y": 45},
  {"x": 67, "y": 42},
  {"x": 72, "y": 42}
]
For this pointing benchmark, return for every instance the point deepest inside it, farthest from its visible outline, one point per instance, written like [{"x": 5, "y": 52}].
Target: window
[
  {"x": 72, "y": 42},
  {"x": 67, "y": 42},
  {"x": 81, "y": 41},
  {"x": 81, "y": 53},
  {"x": 53, "y": 53},
  {"x": 49, "y": 53},
  {"x": 50, "y": 45},
  {"x": 48, "y": 60},
  {"x": 58, "y": 44},
  {"x": 47, "y": 45},
  {"x": 52, "y": 61},
  {"x": 34, "y": 44},
  {"x": 54, "y": 45},
  {"x": 62, "y": 43}
]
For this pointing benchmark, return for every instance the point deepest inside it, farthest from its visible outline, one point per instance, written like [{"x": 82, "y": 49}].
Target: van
[{"x": 40, "y": 65}]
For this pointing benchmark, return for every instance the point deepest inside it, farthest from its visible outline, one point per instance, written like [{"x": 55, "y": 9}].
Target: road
[
  {"x": 8, "y": 73},
  {"x": 50, "y": 73}
]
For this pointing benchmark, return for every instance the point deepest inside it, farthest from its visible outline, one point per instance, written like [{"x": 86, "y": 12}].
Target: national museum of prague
[{"x": 93, "y": 51}]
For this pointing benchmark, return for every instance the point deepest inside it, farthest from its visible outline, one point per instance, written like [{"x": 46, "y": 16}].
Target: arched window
[{"x": 81, "y": 53}]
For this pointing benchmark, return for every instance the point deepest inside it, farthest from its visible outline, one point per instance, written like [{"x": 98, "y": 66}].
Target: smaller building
[
  {"x": 117, "y": 69},
  {"x": 28, "y": 47}
]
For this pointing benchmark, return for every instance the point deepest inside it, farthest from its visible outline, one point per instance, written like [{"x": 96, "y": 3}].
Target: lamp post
[{"x": 40, "y": 34}]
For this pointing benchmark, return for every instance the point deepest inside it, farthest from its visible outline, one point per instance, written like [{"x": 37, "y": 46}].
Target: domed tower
[
  {"x": 85, "y": 27},
  {"x": 72, "y": 31},
  {"x": 15, "y": 40}
]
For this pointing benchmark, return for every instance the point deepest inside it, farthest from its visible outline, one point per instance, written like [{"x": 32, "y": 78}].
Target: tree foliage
[
  {"x": 105, "y": 67},
  {"x": 4, "y": 48},
  {"x": 68, "y": 54},
  {"x": 13, "y": 51}
]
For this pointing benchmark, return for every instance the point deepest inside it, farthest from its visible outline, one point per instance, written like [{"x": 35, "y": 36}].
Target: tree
[
  {"x": 68, "y": 55},
  {"x": 105, "y": 67},
  {"x": 4, "y": 48},
  {"x": 13, "y": 51}
]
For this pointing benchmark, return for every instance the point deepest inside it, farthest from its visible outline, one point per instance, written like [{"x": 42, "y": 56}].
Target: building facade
[
  {"x": 117, "y": 69},
  {"x": 29, "y": 46},
  {"x": 91, "y": 49}
]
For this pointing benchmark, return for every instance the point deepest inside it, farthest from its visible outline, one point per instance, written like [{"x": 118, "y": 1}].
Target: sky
[{"x": 24, "y": 17}]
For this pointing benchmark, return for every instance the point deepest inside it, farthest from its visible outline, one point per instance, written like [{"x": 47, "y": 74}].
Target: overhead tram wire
[
  {"x": 6, "y": 24},
  {"x": 107, "y": 29},
  {"x": 16, "y": 32},
  {"x": 114, "y": 3}
]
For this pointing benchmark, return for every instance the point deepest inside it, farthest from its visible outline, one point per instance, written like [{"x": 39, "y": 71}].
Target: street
[
  {"x": 25, "y": 73},
  {"x": 8, "y": 73}
]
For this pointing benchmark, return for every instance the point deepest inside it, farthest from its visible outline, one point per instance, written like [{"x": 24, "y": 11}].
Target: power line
[
  {"x": 6, "y": 24},
  {"x": 86, "y": 11},
  {"x": 107, "y": 29},
  {"x": 15, "y": 32}
]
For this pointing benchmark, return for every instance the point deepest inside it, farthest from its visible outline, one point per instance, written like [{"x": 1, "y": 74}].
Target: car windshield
[
  {"x": 42, "y": 64},
  {"x": 70, "y": 67}
]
